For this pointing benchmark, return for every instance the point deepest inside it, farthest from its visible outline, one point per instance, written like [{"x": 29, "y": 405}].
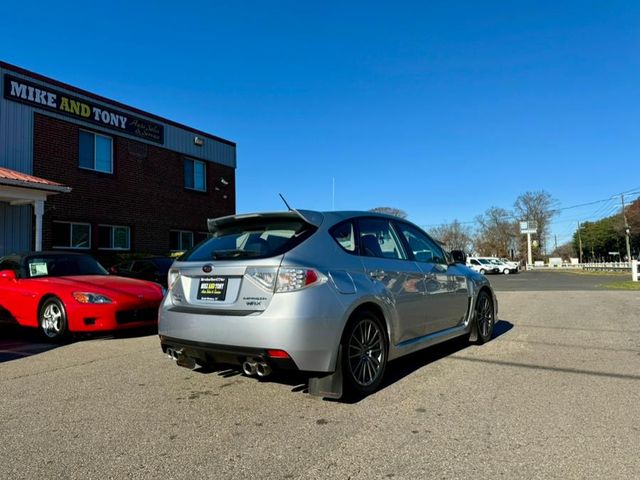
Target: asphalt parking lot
[{"x": 555, "y": 394}]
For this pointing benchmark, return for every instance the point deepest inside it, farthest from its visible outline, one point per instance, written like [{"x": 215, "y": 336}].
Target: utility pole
[
  {"x": 580, "y": 243},
  {"x": 626, "y": 229}
]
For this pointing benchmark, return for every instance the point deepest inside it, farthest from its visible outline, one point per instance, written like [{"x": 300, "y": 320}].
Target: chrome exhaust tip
[
  {"x": 263, "y": 369},
  {"x": 174, "y": 354},
  {"x": 249, "y": 367}
]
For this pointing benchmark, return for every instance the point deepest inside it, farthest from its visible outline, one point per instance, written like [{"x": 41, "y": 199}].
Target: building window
[
  {"x": 195, "y": 175},
  {"x": 180, "y": 240},
  {"x": 71, "y": 235},
  {"x": 96, "y": 152},
  {"x": 202, "y": 236},
  {"x": 114, "y": 237}
]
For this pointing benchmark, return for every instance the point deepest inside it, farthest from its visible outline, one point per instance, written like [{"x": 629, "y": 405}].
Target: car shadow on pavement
[
  {"x": 396, "y": 370},
  {"x": 404, "y": 366},
  {"x": 19, "y": 342}
]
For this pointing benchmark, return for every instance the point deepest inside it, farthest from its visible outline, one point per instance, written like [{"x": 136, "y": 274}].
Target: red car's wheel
[{"x": 52, "y": 319}]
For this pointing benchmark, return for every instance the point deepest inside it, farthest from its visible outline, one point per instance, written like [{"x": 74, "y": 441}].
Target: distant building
[{"x": 82, "y": 172}]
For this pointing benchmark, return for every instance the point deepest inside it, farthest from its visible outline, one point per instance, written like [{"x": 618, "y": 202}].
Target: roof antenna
[{"x": 287, "y": 204}]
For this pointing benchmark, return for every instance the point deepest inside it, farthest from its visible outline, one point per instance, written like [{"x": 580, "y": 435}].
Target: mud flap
[
  {"x": 328, "y": 386},
  {"x": 473, "y": 334}
]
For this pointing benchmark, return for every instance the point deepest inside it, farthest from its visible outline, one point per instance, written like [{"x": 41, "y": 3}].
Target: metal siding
[
  {"x": 17, "y": 124},
  {"x": 15, "y": 228},
  {"x": 16, "y": 139}
]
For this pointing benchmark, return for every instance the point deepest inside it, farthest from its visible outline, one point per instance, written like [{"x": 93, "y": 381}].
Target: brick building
[{"x": 82, "y": 172}]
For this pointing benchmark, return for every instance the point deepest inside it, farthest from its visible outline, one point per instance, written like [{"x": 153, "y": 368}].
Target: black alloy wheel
[
  {"x": 484, "y": 317},
  {"x": 364, "y": 354}
]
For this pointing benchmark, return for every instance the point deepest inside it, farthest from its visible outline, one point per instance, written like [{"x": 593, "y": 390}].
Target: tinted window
[
  {"x": 95, "y": 152},
  {"x": 423, "y": 247},
  {"x": 163, "y": 264},
  {"x": 143, "y": 266},
  {"x": 378, "y": 239},
  {"x": 253, "y": 238}
]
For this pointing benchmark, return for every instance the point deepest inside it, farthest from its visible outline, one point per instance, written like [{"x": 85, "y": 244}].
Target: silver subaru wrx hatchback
[{"x": 336, "y": 294}]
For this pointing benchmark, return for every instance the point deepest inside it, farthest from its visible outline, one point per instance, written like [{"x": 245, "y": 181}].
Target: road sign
[{"x": 528, "y": 227}]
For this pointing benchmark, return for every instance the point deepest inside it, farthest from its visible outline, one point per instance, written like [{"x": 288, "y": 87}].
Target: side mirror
[
  {"x": 459, "y": 256},
  {"x": 8, "y": 275}
]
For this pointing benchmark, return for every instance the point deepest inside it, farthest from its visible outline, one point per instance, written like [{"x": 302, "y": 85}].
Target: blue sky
[{"x": 440, "y": 108}]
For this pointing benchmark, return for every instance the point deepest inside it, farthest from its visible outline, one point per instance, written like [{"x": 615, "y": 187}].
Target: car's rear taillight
[
  {"x": 284, "y": 279},
  {"x": 172, "y": 276},
  {"x": 290, "y": 279}
]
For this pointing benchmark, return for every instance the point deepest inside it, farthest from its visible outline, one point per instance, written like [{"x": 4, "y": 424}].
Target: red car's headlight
[{"x": 84, "y": 297}]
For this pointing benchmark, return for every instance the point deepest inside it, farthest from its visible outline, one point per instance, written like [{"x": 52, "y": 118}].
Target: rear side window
[
  {"x": 344, "y": 235},
  {"x": 251, "y": 238}
]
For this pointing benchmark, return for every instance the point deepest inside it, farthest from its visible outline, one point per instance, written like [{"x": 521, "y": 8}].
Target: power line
[{"x": 611, "y": 204}]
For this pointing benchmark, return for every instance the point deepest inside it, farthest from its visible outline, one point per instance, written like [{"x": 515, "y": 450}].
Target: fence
[{"x": 593, "y": 267}]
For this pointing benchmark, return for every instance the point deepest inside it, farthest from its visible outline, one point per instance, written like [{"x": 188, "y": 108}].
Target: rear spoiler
[{"x": 307, "y": 216}]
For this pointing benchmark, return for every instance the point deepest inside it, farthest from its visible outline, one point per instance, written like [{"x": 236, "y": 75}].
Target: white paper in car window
[{"x": 38, "y": 269}]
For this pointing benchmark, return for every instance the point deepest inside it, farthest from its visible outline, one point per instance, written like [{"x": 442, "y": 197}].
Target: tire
[
  {"x": 482, "y": 271},
  {"x": 364, "y": 354},
  {"x": 52, "y": 320},
  {"x": 506, "y": 271},
  {"x": 484, "y": 317}
]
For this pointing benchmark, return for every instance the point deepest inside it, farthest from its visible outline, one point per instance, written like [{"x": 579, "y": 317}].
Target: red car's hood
[{"x": 106, "y": 284}]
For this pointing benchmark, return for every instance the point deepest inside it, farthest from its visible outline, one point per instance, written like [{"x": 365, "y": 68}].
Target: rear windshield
[{"x": 256, "y": 238}]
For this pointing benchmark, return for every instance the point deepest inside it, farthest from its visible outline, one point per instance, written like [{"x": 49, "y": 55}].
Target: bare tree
[
  {"x": 537, "y": 207},
  {"x": 390, "y": 211},
  {"x": 454, "y": 236},
  {"x": 496, "y": 232},
  {"x": 565, "y": 251}
]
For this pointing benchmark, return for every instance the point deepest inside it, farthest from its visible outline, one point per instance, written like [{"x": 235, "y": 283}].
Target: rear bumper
[
  {"x": 208, "y": 353},
  {"x": 307, "y": 325}
]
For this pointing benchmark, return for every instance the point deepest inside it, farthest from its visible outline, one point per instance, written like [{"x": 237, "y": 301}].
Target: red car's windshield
[{"x": 62, "y": 266}]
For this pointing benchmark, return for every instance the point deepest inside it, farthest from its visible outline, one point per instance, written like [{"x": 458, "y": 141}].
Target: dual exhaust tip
[
  {"x": 250, "y": 367},
  {"x": 256, "y": 366},
  {"x": 181, "y": 359}
]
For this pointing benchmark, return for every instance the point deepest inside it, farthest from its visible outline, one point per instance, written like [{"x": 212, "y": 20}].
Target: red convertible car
[{"x": 68, "y": 292}]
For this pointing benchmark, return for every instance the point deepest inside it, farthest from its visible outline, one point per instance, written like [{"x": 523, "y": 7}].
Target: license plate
[{"x": 212, "y": 288}]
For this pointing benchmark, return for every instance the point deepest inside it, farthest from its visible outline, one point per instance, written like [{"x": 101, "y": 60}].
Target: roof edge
[
  {"x": 115, "y": 103},
  {"x": 34, "y": 185}
]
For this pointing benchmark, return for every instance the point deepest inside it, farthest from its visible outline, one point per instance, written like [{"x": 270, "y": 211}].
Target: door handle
[{"x": 377, "y": 274}]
